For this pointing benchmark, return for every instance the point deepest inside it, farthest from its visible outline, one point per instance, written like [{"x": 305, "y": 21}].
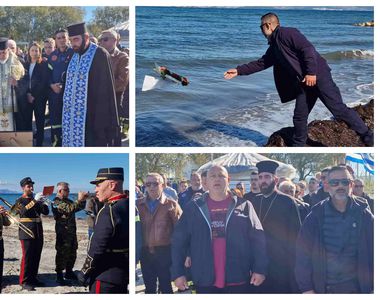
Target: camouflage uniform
[{"x": 66, "y": 231}]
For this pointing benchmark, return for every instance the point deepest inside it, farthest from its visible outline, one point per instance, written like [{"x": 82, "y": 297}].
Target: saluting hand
[
  {"x": 257, "y": 279},
  {"x": 181, "y": 283},
  {"x": 82, "y": 196},
  {"x": 231, "y": 73},
  {"x": 310, "y": 80}
]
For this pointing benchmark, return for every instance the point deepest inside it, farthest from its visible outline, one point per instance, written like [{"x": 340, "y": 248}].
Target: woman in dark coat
[{"x": 35, "y": 83}]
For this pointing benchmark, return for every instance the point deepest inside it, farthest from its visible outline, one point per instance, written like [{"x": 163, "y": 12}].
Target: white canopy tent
[
  {"x": 123, "y": 30},
  {"x": 240, "y": 165}
]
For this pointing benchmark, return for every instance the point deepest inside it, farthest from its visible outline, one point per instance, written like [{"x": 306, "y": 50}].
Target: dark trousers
[
  {"x": 31, "y": 255},
  {"x": 1, "y": 262},
  {"x": 155, "y": 266},
  {"x": 101, "y": 287},
  {"x": 329, "y": 93},
  {"x": 39, "y": 107},
  {"x": 348, "y": 287},
  {"x": 55, "y": 117},
  {"x": 233, "y": 289}
]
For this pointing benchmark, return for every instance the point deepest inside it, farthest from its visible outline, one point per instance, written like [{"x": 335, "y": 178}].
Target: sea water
[{"x": 202, "y": 43}]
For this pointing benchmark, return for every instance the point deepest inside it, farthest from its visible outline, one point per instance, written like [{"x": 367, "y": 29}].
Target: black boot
[
  {"x": 60, "y": 280},
  {"x": 70, "y": 275}
]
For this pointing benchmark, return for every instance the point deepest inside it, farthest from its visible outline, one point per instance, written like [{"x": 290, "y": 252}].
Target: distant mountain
[{"x": 6, "y": 191}]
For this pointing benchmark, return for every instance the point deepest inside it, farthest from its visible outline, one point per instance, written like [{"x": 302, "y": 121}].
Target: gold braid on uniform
[
  {"x": 30, "y": 205},
  {"x": 111, "y": 216}
]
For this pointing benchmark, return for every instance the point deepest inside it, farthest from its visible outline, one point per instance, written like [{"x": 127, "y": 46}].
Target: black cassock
[
  {"x": 102, "y": 120},
  {"x": 280, "y": 220}
]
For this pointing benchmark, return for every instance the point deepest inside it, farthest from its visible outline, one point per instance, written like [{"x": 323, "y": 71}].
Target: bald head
[
  {"x": 270, "y": 18},
  {"x": 269, "y": 23},
  {"x": 217, "y": 182},
  {"x": 12, "y": 46}
]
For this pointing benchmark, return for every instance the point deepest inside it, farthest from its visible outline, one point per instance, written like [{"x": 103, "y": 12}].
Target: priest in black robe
[
  {"x": 90, "y": 115},
  {"x": 280, "y": 219}
]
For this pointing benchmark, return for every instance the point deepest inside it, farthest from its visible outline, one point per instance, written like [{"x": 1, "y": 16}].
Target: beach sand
[{"x": 46, "y": 273}]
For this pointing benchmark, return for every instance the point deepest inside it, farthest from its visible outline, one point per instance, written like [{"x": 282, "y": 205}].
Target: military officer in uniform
[
  {"x": 66, "y": 243},
  {"x": 29, "y": 211},
  {"x": 4, "y": 221},
  {"x": 58, "y": 61},
  {"x": 106, "y": 265}
]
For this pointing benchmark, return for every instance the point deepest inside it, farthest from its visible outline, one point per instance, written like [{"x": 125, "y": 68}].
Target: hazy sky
[{"x": 48, "y": 169}]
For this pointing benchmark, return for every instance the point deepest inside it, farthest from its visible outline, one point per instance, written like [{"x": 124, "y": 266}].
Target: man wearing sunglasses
[
  {"x": 158, "y": 215},
  {"x": 300, "y": 73},
  {"x": 335, "y": 245},
  {"x": 120, "y": 68}
]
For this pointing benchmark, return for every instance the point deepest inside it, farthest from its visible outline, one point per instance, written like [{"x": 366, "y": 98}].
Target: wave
[{"x": 336, "y": 55}]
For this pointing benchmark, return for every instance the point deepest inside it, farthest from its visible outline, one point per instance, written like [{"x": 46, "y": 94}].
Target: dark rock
[
  {"x": 327, "y": 133},
  {"x": 366, "y": 24}
]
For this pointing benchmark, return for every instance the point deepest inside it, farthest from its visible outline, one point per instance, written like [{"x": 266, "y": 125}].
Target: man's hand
[
  {"x": 257, "y": 279},
  {"x": 188, "y": 262},
  {"x": 2, "y": 210},
  {"x": 181, "y": 283},
  {"x": 30, "y": 98},
  {"x": 310, "y": 80},
  {"x": 231, "y": 73},
  {"x": 56, "y": 87},
  {"x": 13, "y": 81},
  {"x": 82, "y": 196}
]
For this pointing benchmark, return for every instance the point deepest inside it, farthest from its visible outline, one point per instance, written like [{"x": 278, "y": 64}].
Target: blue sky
[
  {"x": 88, "y": 12},
  {"x": 48, "y": 169}
]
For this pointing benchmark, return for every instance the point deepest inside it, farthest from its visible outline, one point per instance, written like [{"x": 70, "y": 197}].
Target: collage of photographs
[{"x": 241, "y": 183}]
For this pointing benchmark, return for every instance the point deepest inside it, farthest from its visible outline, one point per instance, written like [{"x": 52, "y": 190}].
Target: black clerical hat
[
  {"x": 269, "y": 166},
  {"x": 109, "y": 174},
  {"x": 77, "y": 29},
  {"x": 3, "y": 43},
  {"x": 26, "y": 180}
]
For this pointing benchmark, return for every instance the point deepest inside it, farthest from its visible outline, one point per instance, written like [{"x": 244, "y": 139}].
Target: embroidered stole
[{"x": 75, "y": 98}]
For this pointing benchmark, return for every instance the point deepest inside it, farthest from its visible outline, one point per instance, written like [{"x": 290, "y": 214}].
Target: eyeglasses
[
  {"x": 335, "y": 182},
  {"x": 149, "y": 184},
  {"x": 262, "y": 25},
  {"x": 358, "y": 186}
]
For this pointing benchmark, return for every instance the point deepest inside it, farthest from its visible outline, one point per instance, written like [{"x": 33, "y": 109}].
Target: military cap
[
  {"x": 109, "y": 174},
  {"x": 25, "y": 181},
  {"x": 269, "y": 166},
  {"x": 3, "y": 43},
  {"x": 77, "y": 29}
]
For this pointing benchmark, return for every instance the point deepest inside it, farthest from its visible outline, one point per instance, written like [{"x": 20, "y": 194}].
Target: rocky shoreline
[{"x": 327, "y": 133}]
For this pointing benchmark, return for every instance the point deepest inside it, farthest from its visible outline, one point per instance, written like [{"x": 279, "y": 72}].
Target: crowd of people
[
  {"x": 84, "y": 81},
  {"x": 105, "y": 269},
  {"x": 279, "y": 237}
]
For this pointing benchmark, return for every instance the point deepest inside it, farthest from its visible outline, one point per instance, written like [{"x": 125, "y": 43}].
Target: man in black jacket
[
  {"x": 106, "y": 266},
  {"x": 335, "y": 247},
  {"x": 300, "y": 73},
  {"x": 213, "y": 225}
]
